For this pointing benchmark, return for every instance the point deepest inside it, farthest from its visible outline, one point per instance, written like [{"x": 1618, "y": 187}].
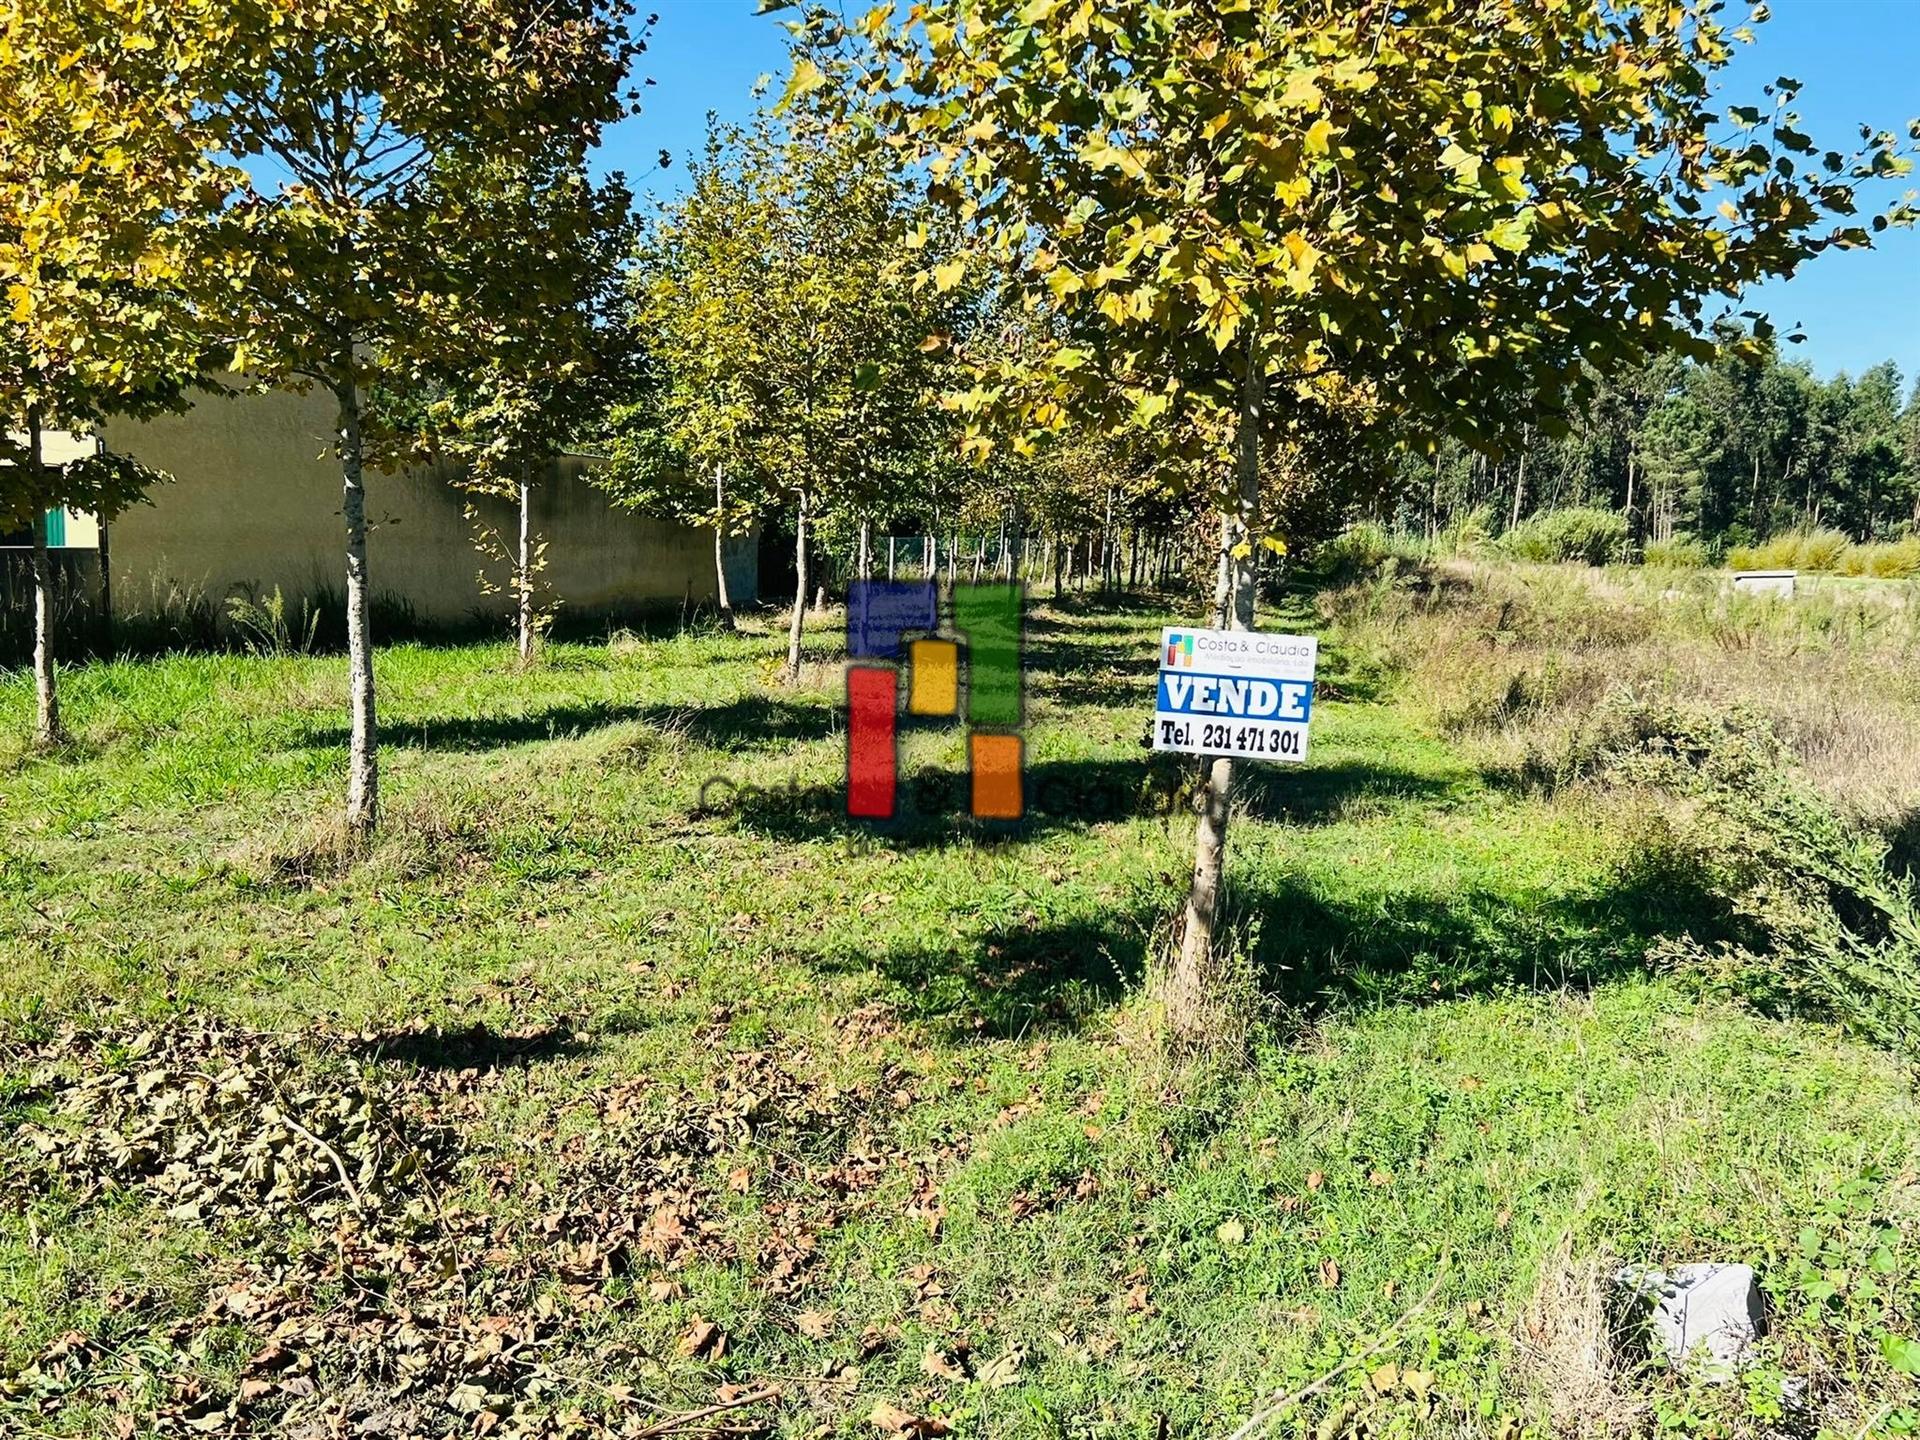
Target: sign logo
[
  {"x": 1235, "y": 692},
  {"x": 983, "y": 646}
]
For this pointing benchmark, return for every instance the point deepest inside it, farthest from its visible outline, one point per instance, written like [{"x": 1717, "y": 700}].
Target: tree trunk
[
  {"x": 363, "y": 756},
  {"x": 889, "y": 557},
  {"x": 799, "y": 590},
  {"x": 523, "y": 573},
  {"x": 48, "y": 730},
  {"x": 1193, "y": 988},
  {"x": 1223, "y": 576},
  {"x": 1633, "y": 530},
  {"x": 865, "y": 567},
  {"x": 1519, "y": 483},
  {"x": 1106, "y": 545},
  {"x": 721, "y": 595}
]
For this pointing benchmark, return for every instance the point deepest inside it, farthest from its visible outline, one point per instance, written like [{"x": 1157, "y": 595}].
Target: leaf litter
[{"x": 379, "y": 1295}]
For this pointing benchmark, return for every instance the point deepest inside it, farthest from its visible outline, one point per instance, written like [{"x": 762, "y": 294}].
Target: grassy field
[{"x": 627, "y": 1087}]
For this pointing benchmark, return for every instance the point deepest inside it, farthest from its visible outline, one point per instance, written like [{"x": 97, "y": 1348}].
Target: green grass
[{"x": 900, "y": 1081}]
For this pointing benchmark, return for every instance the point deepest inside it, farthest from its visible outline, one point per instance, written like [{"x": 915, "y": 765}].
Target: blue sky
[{"x": 1859, "y": 59}]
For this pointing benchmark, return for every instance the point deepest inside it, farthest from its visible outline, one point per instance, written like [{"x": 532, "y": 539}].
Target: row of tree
[
  {"x": 389, "y": 202},
  {"x": 1726, "y": 450},
  {"x": 1009, "y": 266}
]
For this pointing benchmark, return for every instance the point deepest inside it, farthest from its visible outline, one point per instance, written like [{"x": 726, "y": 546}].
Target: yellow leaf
[
  {"x": 949, "y": 274},
  {"x": 1302, "y": 92},
  {"x": 807, "y": 77},
  {"x": 1319, "y": 134}
]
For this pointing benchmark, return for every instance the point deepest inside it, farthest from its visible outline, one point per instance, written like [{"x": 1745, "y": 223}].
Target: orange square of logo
[{"x": 996, "y": 777}]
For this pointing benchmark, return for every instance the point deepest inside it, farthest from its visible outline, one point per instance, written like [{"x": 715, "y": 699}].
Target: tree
[
  {"x": 546, "y": 387},
  {"x": 1456, "y": 212},
  {"x": 790, "y": 361},
  {"x": 105, "y": 196},
  {"x": 690, "y": 444},
  {"x": 1674, "y": 447},
  {"x": 386, "y": 233}
]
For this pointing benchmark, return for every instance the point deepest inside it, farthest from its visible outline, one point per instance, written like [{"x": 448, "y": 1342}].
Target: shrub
[
  {"x": 1890, "y": 560},
  {"x": 1362, "y": 548},
  {"x": 1590, "y": 536},
  {"x": 1682, "y": 552},
  {"x": 1811, "y": 550}
]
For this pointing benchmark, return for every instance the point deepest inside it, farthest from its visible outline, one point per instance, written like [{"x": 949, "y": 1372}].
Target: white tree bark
[
  {"x": 724, "y": 599},
  {"x": 799, "y": 590},
  {"x": 523, "y": 573},
  {"x": 363, "y": 758},
  {"x": 48, "y": 730}
]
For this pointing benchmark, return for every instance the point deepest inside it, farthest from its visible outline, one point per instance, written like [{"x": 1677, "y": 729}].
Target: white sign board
[
  {"x": 1765, "y": 582},
  {"x": 1235, "y": 692}
]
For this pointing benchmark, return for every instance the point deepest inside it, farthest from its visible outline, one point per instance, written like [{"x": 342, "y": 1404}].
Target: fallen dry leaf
[
  {"x": 1329, "y": 1274},
  {"x": 1315, "y": 1179},
  {"x": 814, "y": 1324},
  {"x": 941, "y": 1366},
  {"x": 1004, "y": 1369},
  {"x": 895, "y": 1421}
]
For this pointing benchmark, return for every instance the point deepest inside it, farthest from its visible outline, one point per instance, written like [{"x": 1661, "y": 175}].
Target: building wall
[
  {"x": 255, "y": 503},
  {"x": 66, "y": 529}
]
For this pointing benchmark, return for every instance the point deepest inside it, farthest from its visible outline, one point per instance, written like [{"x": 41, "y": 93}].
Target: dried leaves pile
[
  {"x": 377, "y": 1293},
  {"x": 206, "y": 1121}
]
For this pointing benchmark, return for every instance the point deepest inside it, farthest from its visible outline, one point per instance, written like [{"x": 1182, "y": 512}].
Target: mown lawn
[{"x": 627, "y": 1078}]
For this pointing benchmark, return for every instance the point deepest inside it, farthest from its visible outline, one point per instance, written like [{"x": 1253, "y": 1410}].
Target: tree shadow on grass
[
  {"x": 476, "y": 1047},
  {"x": 748, "y": 723},
  {"x": 1066, "y": 795},
  {"x": 1311, "y": 953}
]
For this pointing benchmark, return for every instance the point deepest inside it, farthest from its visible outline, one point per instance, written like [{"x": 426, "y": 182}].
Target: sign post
[{"x": 1235, "y": 692}]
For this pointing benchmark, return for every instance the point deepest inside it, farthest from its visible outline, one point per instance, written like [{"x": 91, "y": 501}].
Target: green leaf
[
  {"x": 1901, "y": 1353},
  {"x": 1511, "y": 234}
]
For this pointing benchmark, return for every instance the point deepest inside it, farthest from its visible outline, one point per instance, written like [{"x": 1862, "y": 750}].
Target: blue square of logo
[{"x": 879, "y": 612}]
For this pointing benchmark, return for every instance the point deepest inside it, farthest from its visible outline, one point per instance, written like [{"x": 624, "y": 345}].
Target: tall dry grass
[{"x": 1520, "y": 656}]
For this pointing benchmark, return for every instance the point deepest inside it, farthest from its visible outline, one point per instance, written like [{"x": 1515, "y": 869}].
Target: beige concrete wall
[{"x": 255, "y": 503}]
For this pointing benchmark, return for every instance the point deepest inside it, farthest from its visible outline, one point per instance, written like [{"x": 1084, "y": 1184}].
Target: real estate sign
[{"x": 1235, "y": 692}]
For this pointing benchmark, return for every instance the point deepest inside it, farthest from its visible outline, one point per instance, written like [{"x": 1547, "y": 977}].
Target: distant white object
[
  {"x": 1765, "y": 582},
  {"x": 1705, "y": 1317}
]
